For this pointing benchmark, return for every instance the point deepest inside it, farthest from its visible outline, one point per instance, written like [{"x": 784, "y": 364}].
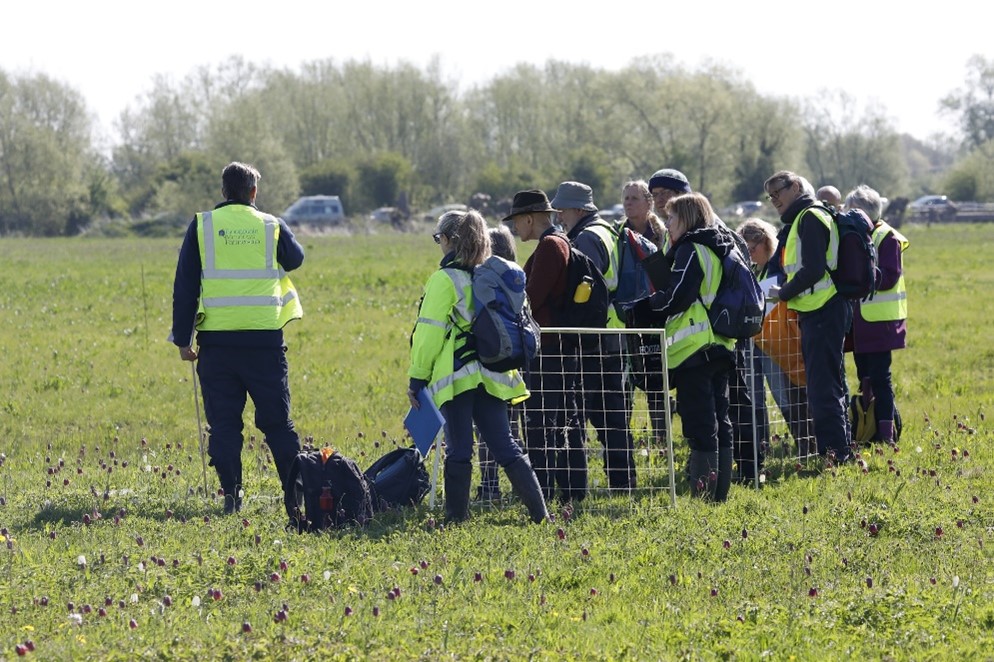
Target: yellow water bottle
[{"x": 582, "y": 293}]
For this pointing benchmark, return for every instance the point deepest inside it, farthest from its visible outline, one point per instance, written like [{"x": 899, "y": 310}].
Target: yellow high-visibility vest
[
  {"x": 243, "y": 287},
  {"x": 887, "y": 305},
  {"x": 824, "y": 289}
]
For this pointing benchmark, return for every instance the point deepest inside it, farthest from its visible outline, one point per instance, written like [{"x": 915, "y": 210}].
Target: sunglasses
[{"x": 437, "y": 237}]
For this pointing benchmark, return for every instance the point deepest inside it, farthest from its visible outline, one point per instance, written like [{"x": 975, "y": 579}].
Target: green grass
[{"x": 90, "y": 383}]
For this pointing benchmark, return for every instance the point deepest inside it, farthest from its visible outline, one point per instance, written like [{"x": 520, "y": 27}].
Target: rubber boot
[
  {"x": 724, "y": 481},
  {"x": 526, "y": 486},
  {"x": 233, "y": 496},
  {"x": 229, "y": 476},
  {"x": 457, "y": 481},
  {"x": 702, "y": 472},
  {"x": 885, "y": 430}
]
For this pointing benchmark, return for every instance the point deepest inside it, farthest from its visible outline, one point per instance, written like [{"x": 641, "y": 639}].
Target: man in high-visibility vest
[
  {"x": 809, "y": 251},
  {"x": 601, "y": 360},
  {"x": 231, "y": 286}
]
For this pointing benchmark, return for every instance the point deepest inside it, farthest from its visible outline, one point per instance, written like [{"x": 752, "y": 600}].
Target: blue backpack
[
  {"x": 738, "y": 307},
  {"x": 503, "y": 334}
]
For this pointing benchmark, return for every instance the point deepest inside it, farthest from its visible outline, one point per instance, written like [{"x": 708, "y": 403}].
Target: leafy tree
[
  {"x": 974, "y": 105},
  {"x": 327, "y": 178},
  {"x": 381, "y": 179},
  {"x": 972, "y": 178},
  {"x": 45, "y": 146},
  {"x": 845, "y": 148}
]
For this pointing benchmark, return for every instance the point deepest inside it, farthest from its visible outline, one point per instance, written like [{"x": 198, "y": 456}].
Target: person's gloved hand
[
  {"x": 639, "y": 313},
  {"x": 414, "y": 387}
]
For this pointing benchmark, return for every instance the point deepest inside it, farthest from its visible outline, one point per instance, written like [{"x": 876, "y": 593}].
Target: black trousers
[
  {"x": 823, "y": 332},
  {"x": 228, "y": 376},
  {"x": 702, "y": 402}
]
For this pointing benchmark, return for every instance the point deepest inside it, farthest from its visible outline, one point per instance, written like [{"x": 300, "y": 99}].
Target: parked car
[
  {"x": 315, "y": 210},
  {"x": 433, "y": 213},
  {"x": 741, "y": 209},
  {"x": 384, "y": 214},
  {"x": 615, "y": 213},
  {"x": 933, "y": 208}
]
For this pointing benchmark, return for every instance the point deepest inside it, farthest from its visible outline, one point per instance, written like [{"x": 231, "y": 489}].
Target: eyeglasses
[
  {"x": 775, "y": 193},
  {"x": 437, "y": 237}
]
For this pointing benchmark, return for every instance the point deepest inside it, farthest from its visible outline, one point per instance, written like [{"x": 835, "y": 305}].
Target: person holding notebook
[{"x": 464, "y": 390}]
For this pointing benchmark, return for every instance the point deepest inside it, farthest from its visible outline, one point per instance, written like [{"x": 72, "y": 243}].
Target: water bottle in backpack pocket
[{"x": 326, "y": 490}]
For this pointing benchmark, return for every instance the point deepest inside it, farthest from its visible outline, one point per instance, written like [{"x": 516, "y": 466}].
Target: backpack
[
  {"x": 399, "y": 479},
  {"x": 504, "y": 335},
  {"x": 633, "y": 280},
  {"x": 863, "y": 423},
  {"x": 856, "y": 272},
  {"x": 738, "y": 307},
  {"x": 326, "y": 490},
  {"x": 579, "y": 309}
]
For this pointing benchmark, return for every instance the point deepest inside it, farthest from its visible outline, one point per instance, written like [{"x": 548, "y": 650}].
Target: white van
[{"x": 315, "y": 210}]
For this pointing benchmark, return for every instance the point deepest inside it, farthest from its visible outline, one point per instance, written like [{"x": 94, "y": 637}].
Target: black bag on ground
[
  {"x": 326, "y": 490},
  {"x": 398, "y": 479}
]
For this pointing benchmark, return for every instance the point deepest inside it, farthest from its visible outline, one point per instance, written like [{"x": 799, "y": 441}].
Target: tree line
[{"x": 377, "y": 134}]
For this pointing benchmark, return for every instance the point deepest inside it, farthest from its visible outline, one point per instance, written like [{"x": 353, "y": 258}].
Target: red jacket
[{"x": 545, "y": 271}]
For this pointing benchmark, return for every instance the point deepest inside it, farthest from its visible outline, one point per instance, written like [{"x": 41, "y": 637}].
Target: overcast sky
[{"x": 903, "y": 57}]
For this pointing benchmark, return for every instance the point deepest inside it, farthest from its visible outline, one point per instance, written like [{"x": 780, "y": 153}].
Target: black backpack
[
  {"x": 579, "y": 309},
  {"x": 399, "y": 479},
  {"x": 326, "y": 490},
  {"x": 856, "y": 272},
  {"x": 738, "y": 307}
]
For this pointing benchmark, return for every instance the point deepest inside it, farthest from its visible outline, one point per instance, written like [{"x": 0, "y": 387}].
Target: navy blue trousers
[
  {"x": 702, "y": 403},
  {"x": 227, "y": 376},
  {"x": 875, "y": 366},
  {"x": 823, "y": 332},
  {"x": 492, "y": 422}
]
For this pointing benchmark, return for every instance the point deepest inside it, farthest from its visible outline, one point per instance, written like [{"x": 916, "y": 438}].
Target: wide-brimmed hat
[
  {"x": 574, "y": 195},
  {"x": 526, "y": 202}
]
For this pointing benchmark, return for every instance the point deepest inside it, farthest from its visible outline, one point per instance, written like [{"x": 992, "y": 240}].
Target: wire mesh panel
[
  {"x": 600, "y": 420},
  {"x": 596, "y": 424},
  {"x": 774, "y": 373}
]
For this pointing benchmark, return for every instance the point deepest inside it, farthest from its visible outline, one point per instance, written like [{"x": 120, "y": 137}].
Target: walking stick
[{"x": 200, "y": 426}]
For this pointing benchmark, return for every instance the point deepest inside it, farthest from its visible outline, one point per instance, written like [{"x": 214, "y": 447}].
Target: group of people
[{"x": 232, "y": 288}]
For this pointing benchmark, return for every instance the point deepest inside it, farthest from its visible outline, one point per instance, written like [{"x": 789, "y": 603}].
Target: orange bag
[{"x": 780, "y": 339}]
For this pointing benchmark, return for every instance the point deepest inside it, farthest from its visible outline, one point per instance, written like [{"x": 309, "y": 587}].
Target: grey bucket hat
[{"x": 574, "y": 195}]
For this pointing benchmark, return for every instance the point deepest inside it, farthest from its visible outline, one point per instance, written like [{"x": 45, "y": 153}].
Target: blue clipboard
[{"x": 423, "y": 424}]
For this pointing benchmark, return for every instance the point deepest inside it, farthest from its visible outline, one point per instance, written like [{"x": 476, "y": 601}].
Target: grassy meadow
[{"x": 109, "y": 551}]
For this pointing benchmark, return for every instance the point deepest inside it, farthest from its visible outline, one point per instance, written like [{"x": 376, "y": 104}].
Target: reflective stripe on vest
[
  {"x": 887, "y": 305},
  {"x": 609, "y": 237},
  {"x": 818, "y": 295},
  {"x": 690, "y": 331},
  {"x": 463, "y": 282},
  {"x": 242, "y": 285},
  {"x": 446, "y": 383}
]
